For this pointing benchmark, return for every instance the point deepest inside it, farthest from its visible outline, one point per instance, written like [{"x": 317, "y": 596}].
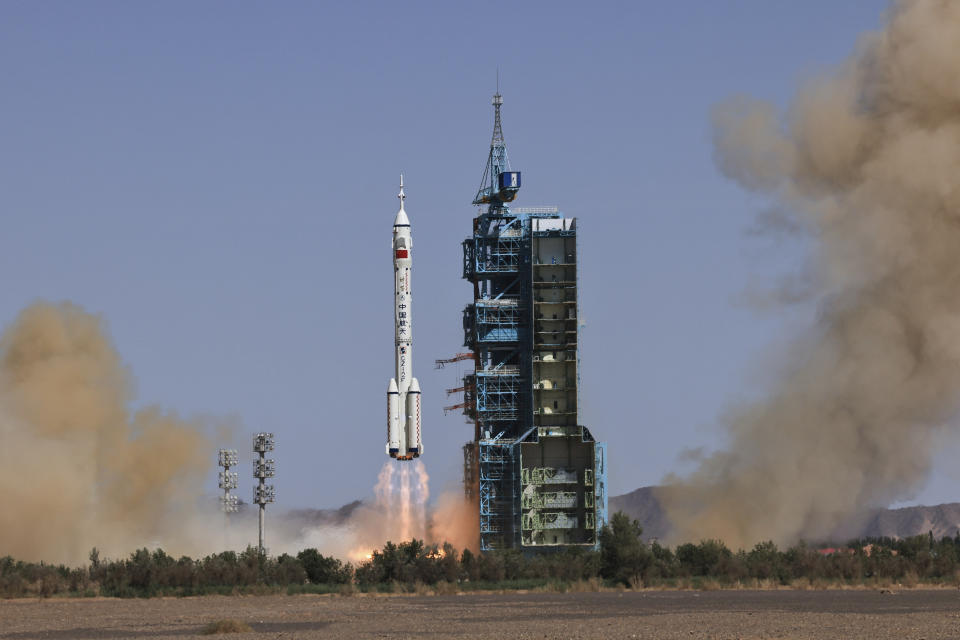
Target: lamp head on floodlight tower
[{"x": 227, "y": 479}]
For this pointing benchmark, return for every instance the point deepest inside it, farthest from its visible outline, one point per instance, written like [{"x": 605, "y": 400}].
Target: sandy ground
[{"x": 872, "y": 615}]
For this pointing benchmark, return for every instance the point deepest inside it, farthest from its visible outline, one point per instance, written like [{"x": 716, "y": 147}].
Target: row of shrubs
[
  {"x": 147, "y": 573},
  {"x": 865, "y": 561},
  {"x": 623, "y": 559}
]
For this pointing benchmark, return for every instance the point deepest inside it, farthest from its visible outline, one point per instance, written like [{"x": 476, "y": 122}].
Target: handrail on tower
[
  {"x": 465, "y": 387},
  {"x": 457, "y": 358},
  {"x": 454, "y": 407}
]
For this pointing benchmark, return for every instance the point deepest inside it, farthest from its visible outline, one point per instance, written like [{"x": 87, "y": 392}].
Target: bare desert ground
[{"x": 872, "y": 615}]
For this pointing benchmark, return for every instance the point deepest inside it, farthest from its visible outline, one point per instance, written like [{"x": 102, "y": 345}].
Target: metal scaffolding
[
  {"x": 498, "y": 497},
  {"x": 497, "y": 396},
  {"x": 493, "y": 254},
  {"x": 493, "y": 322}
]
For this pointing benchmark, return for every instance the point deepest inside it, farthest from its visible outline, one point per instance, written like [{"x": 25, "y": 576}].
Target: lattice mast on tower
[{"x": 499, "y": 184}]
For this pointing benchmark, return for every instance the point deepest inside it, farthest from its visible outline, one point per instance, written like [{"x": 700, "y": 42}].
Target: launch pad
[{"x": 536, "y": 475}]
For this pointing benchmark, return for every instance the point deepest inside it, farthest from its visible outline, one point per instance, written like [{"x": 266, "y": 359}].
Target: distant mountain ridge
[{"x": 942, "y": 519}]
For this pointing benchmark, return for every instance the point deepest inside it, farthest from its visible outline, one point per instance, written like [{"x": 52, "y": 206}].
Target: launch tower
[{"x": 536, "y": 473}]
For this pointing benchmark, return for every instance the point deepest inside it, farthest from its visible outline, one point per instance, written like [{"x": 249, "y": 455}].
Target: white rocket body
[{"x": 403, "y": 392}]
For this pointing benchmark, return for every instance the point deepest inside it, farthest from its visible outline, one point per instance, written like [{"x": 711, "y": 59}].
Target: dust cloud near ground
[
  {"x": 867, "y": 164},
  {"x": 80, "y": 468}
]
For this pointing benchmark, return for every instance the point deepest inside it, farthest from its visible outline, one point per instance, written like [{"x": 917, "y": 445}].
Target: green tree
[
  {"x": 765, "y": 562},
  {"x": 623, "y": 556},
  {"x": 323, "y": 570},
  {"x": 703, "y": 559},
  {"x": 469, "y": 565}
]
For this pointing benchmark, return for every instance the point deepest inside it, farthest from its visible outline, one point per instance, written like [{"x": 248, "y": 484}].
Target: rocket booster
[{"x": 403, "y": 391}]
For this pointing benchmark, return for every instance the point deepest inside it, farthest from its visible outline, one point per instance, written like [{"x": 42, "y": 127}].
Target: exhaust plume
[
  {"x": 868, "y": 164},
  {"x": 398, "y": 513}
]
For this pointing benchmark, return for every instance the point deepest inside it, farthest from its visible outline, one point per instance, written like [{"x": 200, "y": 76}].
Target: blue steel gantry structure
[{"x": 538, "y": 476}]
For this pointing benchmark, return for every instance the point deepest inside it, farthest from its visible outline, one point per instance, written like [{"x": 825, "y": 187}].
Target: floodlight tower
[
  {"x": 263, "y": 468},
  {"x": 228, "y": 479}
]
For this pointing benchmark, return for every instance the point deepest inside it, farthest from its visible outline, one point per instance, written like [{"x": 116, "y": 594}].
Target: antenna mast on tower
[{"x": 499, "y": 184}]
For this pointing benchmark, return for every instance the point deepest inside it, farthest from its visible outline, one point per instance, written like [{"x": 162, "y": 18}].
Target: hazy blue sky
[{"x": 218, "y": 181}]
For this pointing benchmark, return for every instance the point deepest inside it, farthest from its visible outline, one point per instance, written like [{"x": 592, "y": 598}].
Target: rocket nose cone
[
  {"x": 414, "y": 385},
  {"x": 401, "y": 219},
  {"x": 392, "y": 387}
]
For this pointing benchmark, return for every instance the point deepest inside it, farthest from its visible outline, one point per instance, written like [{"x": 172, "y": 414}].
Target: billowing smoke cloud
[
  {"x": 456, "y": 520},
  {"x": 79, "y": 468},
  {"x": 868, "y": 163}
]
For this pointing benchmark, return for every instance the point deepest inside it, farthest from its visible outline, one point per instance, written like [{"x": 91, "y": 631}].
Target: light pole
[
  {"x": 263, "y": 468},
  {"x": 227, "y": 458}
]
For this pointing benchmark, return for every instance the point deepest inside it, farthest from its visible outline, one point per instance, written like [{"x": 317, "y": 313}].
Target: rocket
[{"x": 403, "y": 392}]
